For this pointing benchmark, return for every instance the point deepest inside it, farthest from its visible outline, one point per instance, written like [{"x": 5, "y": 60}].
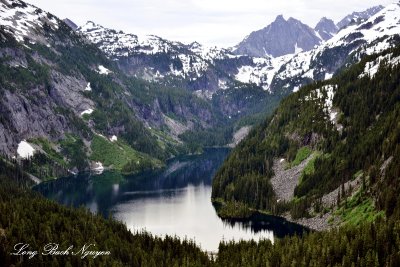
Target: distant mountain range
[
  {"x": 206, "y": 70},
  {"x": 357, "y": 17},
  {"x": 283, "y": 37}
]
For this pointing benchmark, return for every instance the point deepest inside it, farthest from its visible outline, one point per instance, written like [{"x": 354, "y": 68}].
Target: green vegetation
[
  {"x": 369, "y": 244},
  {"x": 23, "y": 77},
  {"x": 302, "y": 154},
  {"x": 309, "y": 169},
  {"x": 235, "y": 210},
  {"x": 74, "y": 148},
  {"x": 49, "y": 149},
  {"x": 369, "y": 108},
  {"x": 358, "y": 209},
  {"x": 28, "y": 217},
  {"x": 120, "y": 156}
]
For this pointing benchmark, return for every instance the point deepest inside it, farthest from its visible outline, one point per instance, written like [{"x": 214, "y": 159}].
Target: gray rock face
[
  {"x": 67, "y": 92},
  {"x": 28, "y": 118},
  {"x": 357, "y": 17},
  {"x": 70, "y": 23},
  {"x": 280, "y": 38},
  {"x": 326, "y": 28},
  {"x": 285, "y": 180}
]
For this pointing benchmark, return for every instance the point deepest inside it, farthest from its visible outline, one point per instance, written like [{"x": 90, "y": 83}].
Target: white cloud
[{"x": 212, "y": 22}]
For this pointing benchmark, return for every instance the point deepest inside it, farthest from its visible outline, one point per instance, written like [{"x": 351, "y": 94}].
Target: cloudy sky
[{"x": 211, "y": 22}]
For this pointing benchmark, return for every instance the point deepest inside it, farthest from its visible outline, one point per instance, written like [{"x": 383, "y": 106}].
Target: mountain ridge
[{"x": 329, "y": 126}]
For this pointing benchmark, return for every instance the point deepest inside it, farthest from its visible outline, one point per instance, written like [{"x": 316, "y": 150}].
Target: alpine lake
[{"x": 174, "y": 201}]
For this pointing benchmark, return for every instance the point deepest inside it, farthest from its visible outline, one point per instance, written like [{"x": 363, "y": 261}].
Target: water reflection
[{"x": 173, "y": 201}]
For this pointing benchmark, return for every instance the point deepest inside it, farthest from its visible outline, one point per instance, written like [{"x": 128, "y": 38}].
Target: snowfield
[{"x": 25, "y": 150}]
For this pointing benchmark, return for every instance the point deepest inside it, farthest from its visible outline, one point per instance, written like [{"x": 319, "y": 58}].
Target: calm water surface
[{"x": 172, "y": 201}]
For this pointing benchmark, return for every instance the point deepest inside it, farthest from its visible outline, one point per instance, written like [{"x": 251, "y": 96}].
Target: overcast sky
[{"x": 210, "y": 22}]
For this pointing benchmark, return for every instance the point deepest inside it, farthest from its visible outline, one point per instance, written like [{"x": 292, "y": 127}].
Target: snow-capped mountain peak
[
  {"x": 281, "y": 37},
  {"x": 25, "y": 21},
  {"x": 326, "y": 28},
  {"x": 358, "y": 17},
  {"x": 378, "y": 33}
]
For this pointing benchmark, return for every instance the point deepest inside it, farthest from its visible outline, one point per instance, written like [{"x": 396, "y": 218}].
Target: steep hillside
[
  {"x": 346, "y": 130},
  {"x": 61, "y": 94}
]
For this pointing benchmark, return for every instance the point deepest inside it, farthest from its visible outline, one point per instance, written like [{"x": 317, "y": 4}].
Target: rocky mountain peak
[
  {"x": 358, "y": 17},
  {"x": 281, "y": 37},
  {"x": 326, "y": 28},
  {"x": 280, "y": 19}
]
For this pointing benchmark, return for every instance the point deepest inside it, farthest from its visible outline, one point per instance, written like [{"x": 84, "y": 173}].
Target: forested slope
[
  {"x": 27, "y": 217},
  {"x": 350, "y": 122}
]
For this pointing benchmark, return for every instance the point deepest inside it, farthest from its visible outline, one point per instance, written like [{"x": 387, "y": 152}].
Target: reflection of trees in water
[
  {"x": 260, "y": 222},
  {"x": 85, "y": 189}
]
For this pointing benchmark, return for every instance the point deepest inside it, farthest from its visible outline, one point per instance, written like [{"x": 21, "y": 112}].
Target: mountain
[
  {"x": 306, "y": 129},
  {"x": 326, "y": 28},
  {"x": 95, "y": 107},
  {"x": 207, "y": 70},
  {"x": 199, "y": 69},
  {"x": 163, "y": 97},
  {"x": 358, "y": 17},
  {"x": 154, "y": 58},
  {"x": 349, "y": 45},
  {"x": 61, "y": 96},
  {"x": 92, "y": 110},
  {"x": 280, "y": 38},
  {"x": 330, "y": 152}
]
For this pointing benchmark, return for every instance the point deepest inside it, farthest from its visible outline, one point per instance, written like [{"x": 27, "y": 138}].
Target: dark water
[{"x": 173, "y": 201}]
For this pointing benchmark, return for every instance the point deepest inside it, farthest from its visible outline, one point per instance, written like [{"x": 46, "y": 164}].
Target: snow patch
[
  {"x": 88, "y": 111},
  {"x": 371, "y": 68},
  {"x": 297, "y": 49},
  {"x": 204, "y": 94},
  {"x": 325, "y": 94},
  {"x": 103, "y": 70},
  {"x": 25, "y": 150},
  {"x": 88, "y": 88},
  {"x": 328, "y": 76},
  {"x": 222, "y": 84}
]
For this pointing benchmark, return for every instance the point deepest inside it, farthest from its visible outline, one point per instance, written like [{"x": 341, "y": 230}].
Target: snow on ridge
[
  {"x": 371, "y": 68},
  {"x": 384, "y": 24},
  {"x": 262, "y": 71},
  {"x": 119, "y": 44},
  {"x": 24, "y": 20},
  {"x": 25, "y": 150}
]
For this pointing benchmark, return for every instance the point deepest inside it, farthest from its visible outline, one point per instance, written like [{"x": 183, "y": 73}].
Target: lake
[{"x": 172, "y": 201}]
